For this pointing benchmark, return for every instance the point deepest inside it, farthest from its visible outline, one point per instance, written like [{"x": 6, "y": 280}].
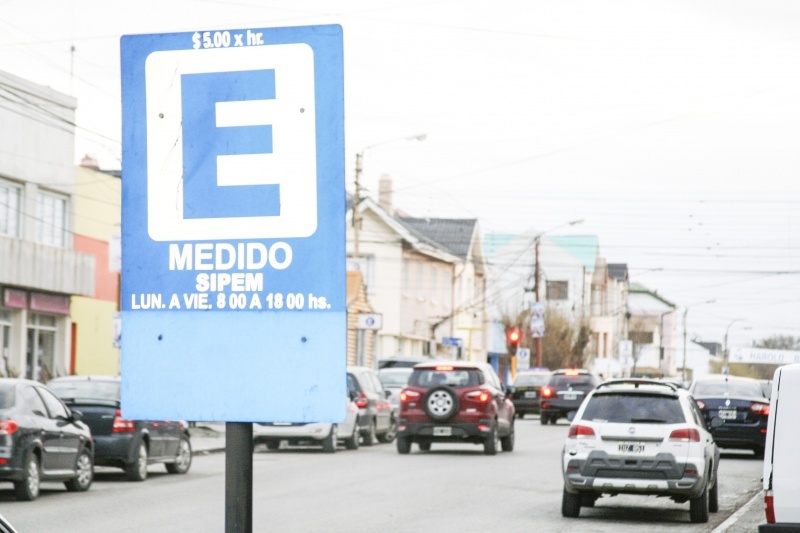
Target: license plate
[
  {"x": 442, "y": 431},
  {"x": 727, "y": 414},
  {"x": 570, "y": 396},
  {"x": 530, "y": 394},
  {"x": 631, "y": 447}
]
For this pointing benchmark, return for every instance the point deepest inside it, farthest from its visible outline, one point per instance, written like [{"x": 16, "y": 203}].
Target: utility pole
[
  {"x": 356, "y": 201},
  {"x": 536, "y": 290}
]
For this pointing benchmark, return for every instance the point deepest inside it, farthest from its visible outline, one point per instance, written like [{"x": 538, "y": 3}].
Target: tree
[{"x": 562, "y": 345}]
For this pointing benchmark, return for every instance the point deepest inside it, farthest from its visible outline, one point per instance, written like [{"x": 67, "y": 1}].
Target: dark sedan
[
  {"x": 41, "y": 440},
  {"x": 525, "y": 392},
  {"x": 742, "y": 406},
  {"x": 128, "y": 444}
]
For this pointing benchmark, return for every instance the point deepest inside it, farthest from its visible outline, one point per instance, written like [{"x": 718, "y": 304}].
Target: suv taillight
[
  {"x": 122, "y": 425},
  {"x": 481, "y": 396},
  {"x": 760, "y": 409},
  {"x": 685, "y": 435},
  {"x": 769, "y": 507},
  {"x": 579, "y": 432},
  {"x": 547, "y": 392},
  {"x": 408, "y": 395},
  {"x": 7, "y": 427},
  {"x": 361, "y": 401}
]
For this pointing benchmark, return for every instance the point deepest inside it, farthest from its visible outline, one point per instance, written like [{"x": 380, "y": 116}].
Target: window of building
[
  {"x": 51, "y": 219},
  {"x": 10, "y": 200},
  {"x": 40, "y": 356},
  {"x": 421, "y": 280},
  {"x": 434, "y": 284},
  {"x": 557, "y": 290},
  {"x": 641, "y": 337},
  {"x": 5, "y": 341}
]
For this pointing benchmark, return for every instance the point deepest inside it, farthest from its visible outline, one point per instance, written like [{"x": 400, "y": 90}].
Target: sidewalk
[{"x": 209, "y": 437}]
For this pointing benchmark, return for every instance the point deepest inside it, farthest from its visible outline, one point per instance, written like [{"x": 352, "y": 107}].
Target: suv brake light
[
  {"x": 408, "y": 395},
  {"x": 444, "y": 368},
  {"x": 7, "y": 427},
  {"x": 479, "y": 395},
  {"x": 760, "y": 409},
  {"x": 685, "y": 435},
  {"x": 578, "y": 431},
  {"x": 547, "y": 392},
  {"x": 361, "y": 401},
  {"x": 769, "y": 507},
  {"x": 572, "y": 373},
  {"x": 122, "y": 425}
]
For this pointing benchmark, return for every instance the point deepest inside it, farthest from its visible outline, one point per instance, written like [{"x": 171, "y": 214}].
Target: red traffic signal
[{"x": 514, "y": 336}]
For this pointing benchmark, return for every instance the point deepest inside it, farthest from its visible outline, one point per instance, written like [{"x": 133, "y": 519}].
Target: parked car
[
  {"x": 402, "y": 361},
  {"x": 131, "y": 445},
  {"x": 457, "y": 402},
  {"x": 375, "y": 416},
  {"x": 394, "y": 379},
  {"x": 526, "y": 390},
  {"x": 742, "y": 406},
  {"x": 782, "y": 462},
  {"x": 640, "y": 436},
  {"x": 41, "y": 439},
  {"x": 325, "y": 434},
  {"x": 565, "y": 391}
]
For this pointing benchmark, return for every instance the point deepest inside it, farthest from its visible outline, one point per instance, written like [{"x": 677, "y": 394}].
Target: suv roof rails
[{"x": 636, "y": 382}]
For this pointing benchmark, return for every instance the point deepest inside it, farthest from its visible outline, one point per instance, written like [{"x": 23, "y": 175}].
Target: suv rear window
[
  {"x": 456, "y": 378},
  {"x": 528, "y": 380},
  {"x": 566, "y": 380},
  {"x": 731, "y": 388},
  {"x": 6, "y": 396},
  {"x": 632, "y": 408},
  {"x": 86, "y": 390}
]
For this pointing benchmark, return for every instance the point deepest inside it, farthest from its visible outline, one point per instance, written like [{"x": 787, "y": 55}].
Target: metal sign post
[{"x": 233, "y": 233}]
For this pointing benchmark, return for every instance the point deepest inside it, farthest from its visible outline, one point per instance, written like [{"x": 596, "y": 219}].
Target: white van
[{"x": 781, "y": 458}]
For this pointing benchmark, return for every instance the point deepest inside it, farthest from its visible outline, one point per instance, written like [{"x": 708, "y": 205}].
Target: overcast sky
[{"x": 671, "y": 128}]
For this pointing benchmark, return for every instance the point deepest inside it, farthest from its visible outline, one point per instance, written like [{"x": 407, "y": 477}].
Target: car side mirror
[
  {"x": 387, "y": 393},
  {"x": 76, "y": 416},
  {"x": 716, "y": 422},
  {"x": 351, "y": 395}
]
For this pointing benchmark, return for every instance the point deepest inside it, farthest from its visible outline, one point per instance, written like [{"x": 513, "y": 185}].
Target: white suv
[{"x": 640, "y": 436}]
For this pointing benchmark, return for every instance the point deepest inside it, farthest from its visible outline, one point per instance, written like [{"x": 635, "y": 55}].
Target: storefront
[{"x": 34, "y": 334}]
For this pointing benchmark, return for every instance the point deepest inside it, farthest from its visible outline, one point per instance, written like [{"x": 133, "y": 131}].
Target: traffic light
[{"x": 514, "y": 336}]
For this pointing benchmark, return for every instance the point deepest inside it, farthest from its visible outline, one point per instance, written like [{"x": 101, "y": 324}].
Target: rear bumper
[
  {"x": 305, "y": 432},
  {"x": 115, "y": 450},
  {"x": 661, "y": 474},
  {"x": 526, "y": 405},
  {"x": 558, "y": 407},
  {"x": 779, "y": 528},
  {"x": 444, "y": 432},
  {"x": 740, "y": 437}
]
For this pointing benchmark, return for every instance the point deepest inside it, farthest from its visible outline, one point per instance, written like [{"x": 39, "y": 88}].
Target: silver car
[
  {"x": 394, "y": 379},
  {"x": 324, "y": 434}
]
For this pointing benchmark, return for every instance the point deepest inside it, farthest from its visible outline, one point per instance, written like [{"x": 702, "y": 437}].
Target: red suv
[{"x": 455, "y": 402}]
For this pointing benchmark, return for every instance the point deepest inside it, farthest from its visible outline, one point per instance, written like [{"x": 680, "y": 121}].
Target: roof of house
[
  {"x": 454, "y": 235},
  {"x": 583, "y": 247},
  {"x": 635, "y": 288}
]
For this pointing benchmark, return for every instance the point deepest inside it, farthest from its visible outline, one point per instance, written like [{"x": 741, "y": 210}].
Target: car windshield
[
  {"x": 529, "y": 380},
  {"x": 86, "y": 389},
  {"x": 563, "y": 380},
  {"x": 728, "y": 388},
  {"x": 395, "y": 377},
  {"x": 457, "y": 377},
  {"x": 633, "y": 408},
  {"x": 6, "y": 396}
]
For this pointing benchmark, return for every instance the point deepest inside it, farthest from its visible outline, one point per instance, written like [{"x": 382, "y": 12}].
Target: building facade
[{"x": 40, "y": 269}]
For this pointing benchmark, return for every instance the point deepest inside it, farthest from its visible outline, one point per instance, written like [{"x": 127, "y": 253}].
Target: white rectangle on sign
[{"x": 369, "y": 321}]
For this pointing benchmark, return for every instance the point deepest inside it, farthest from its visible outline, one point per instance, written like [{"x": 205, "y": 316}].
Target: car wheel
[
  {"x": 553, "y": 419},
  {"x": 570, "y": 505},
  {"x": 508, "y": 441},
  {"x": 543, "y": 419},
  {"x": 713, "y": 497},
  {"x": 137, "y": 470},
  {"x": 440, "y": 403},
  {"x": 27, "y": 488},
  {"x": 492, "y": 442},
  {"x": 352, "y": 442},
  {"x": 520, "y": 415},
  {"x": 759, "y": 452},
  {"x": 588, "y": 500},
  {"x": 329, "y": 442},
  {"x": 370, "y": 437},
  {"x": 85, "y": 473},
  {"x": 272, "y": 445},
  {"x": 403, "y": 445},
  {"x": 424, "y": 446},
  {"x": 184, "y": 458},
  {"x": 391, "y": 433},
  {"x": 698, "y": 508}
]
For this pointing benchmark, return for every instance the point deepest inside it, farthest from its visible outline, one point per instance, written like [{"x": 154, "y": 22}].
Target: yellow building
[{"x": 97, "y": 211}]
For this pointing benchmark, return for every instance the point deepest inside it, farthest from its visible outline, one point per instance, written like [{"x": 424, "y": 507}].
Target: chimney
[
  {"x": 90, "y": 162},
  {"x": 385, "y": 193}
]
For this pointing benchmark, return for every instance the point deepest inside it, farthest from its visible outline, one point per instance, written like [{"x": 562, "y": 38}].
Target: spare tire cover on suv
[{"x": 440, "y": 403}]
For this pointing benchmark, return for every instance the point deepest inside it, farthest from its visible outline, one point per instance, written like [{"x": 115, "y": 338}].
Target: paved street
[{"x": 451, "y": 488}]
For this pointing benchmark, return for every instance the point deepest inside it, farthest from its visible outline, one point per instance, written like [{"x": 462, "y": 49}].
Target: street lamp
[
  {"x": 538, "y": 239},
  {"x": 727, "y": 352},
  {"x": 686, "y": 312},
  {"x": 357, "y": 199}
]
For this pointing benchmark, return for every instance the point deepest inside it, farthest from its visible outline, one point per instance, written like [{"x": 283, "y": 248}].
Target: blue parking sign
[{"x": 233, "y": 237}]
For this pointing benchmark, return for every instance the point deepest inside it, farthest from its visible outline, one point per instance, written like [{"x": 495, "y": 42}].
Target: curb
[{"x": 732, "y": 519}]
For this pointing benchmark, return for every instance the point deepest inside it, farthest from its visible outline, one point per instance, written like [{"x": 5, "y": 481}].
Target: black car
[
  {"x": 41, "y": 439},
  {"x": 526, "y": 390},
  {"x": 376, "y": 417},
  {"x": 119, "y": 442},
  {"x": 565, "y": 391},
  {"x": 742, "y": 406}
]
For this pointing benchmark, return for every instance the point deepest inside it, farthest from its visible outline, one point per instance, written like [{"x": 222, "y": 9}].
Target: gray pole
[{"x": 238, "y": 477}]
